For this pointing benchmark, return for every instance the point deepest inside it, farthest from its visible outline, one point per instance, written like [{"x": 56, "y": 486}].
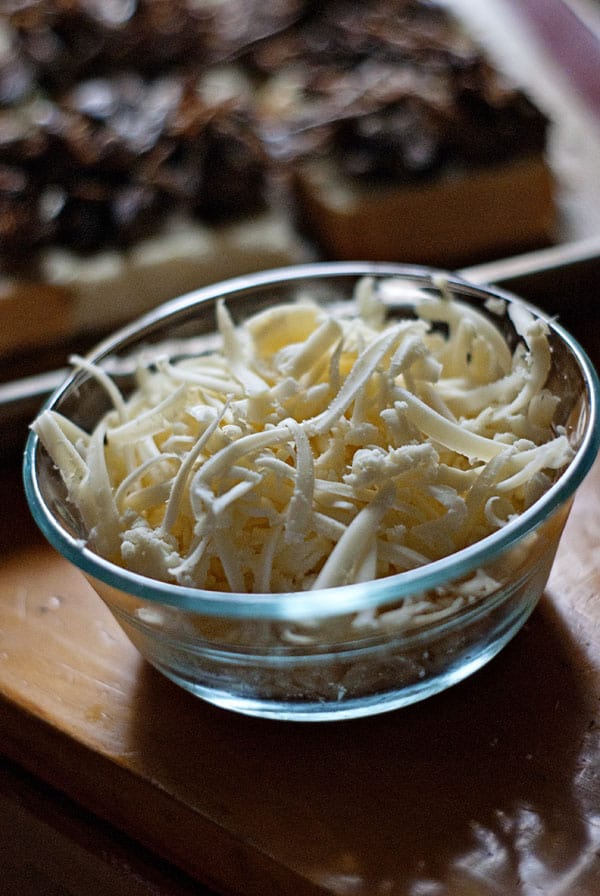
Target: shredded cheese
[{"x": 314, "y": 449}]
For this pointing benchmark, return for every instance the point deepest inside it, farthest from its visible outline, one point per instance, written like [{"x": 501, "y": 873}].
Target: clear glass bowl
[{"x": 310, "y": 655}]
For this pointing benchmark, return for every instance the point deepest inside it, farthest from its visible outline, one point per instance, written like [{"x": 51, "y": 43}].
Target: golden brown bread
[{"x": 450, "y": 220}]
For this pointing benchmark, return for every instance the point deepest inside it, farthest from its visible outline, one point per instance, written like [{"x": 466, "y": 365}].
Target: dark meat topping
[
  {"x": 395, "y": 90},
  {"x": 17, "y": 74},
  {"x": 103, "y": 166},
  {"x": 344, "y": 33},
  {"x": 20, "y": 223},
  {"x": 69, "y": 40},
  {"x": 108, "y": 134}
]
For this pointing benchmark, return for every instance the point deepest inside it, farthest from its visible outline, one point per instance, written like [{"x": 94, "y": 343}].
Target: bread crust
[{"x": 449, "y": 221}]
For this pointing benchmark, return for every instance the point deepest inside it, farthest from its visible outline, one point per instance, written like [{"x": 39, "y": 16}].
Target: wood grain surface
[
  {"x": 50, "y": 846},
  {"x": 491, "y": 787}
]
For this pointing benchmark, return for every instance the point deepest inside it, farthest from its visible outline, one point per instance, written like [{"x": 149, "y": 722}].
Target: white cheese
[{"x": 313, "y": 449}]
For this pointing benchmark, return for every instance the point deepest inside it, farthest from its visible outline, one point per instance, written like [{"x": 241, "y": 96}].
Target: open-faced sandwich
[{"x": 152, "y": 146}]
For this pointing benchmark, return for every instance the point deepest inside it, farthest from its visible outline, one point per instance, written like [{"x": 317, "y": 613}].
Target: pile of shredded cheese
[{"x": 315, "y": 449}]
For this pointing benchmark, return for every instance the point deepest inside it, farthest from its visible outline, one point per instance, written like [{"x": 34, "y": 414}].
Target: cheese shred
[{"x": 316, "y": 449}]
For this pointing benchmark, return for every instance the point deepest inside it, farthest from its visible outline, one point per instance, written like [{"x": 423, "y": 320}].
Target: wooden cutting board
[{"x": 492, "y": 787}]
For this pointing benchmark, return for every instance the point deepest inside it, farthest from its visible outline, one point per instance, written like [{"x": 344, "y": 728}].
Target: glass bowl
[{"x": 345, "y": 651}]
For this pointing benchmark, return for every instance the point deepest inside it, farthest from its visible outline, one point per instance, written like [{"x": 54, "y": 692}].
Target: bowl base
[{"x": 348, "y": 707}]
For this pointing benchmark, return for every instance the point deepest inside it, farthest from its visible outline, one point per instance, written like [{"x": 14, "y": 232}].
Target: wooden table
[
  {"x": 492, "y": 787},
  {"x": 52, "y": 847}
]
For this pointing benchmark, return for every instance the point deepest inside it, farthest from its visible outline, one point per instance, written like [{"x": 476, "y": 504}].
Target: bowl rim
[{"x": 340, "y": 599}]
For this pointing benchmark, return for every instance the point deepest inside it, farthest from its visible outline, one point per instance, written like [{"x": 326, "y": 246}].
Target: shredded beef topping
[
  {"x": 17, "y": 74},
  {"x": 104, "y": 165},
  {"x": 395, "y": 90},
  {"x": 344, "y": 33},
  {"x": 68, "y": 40},
  {"x": 103, "y": 132}
]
